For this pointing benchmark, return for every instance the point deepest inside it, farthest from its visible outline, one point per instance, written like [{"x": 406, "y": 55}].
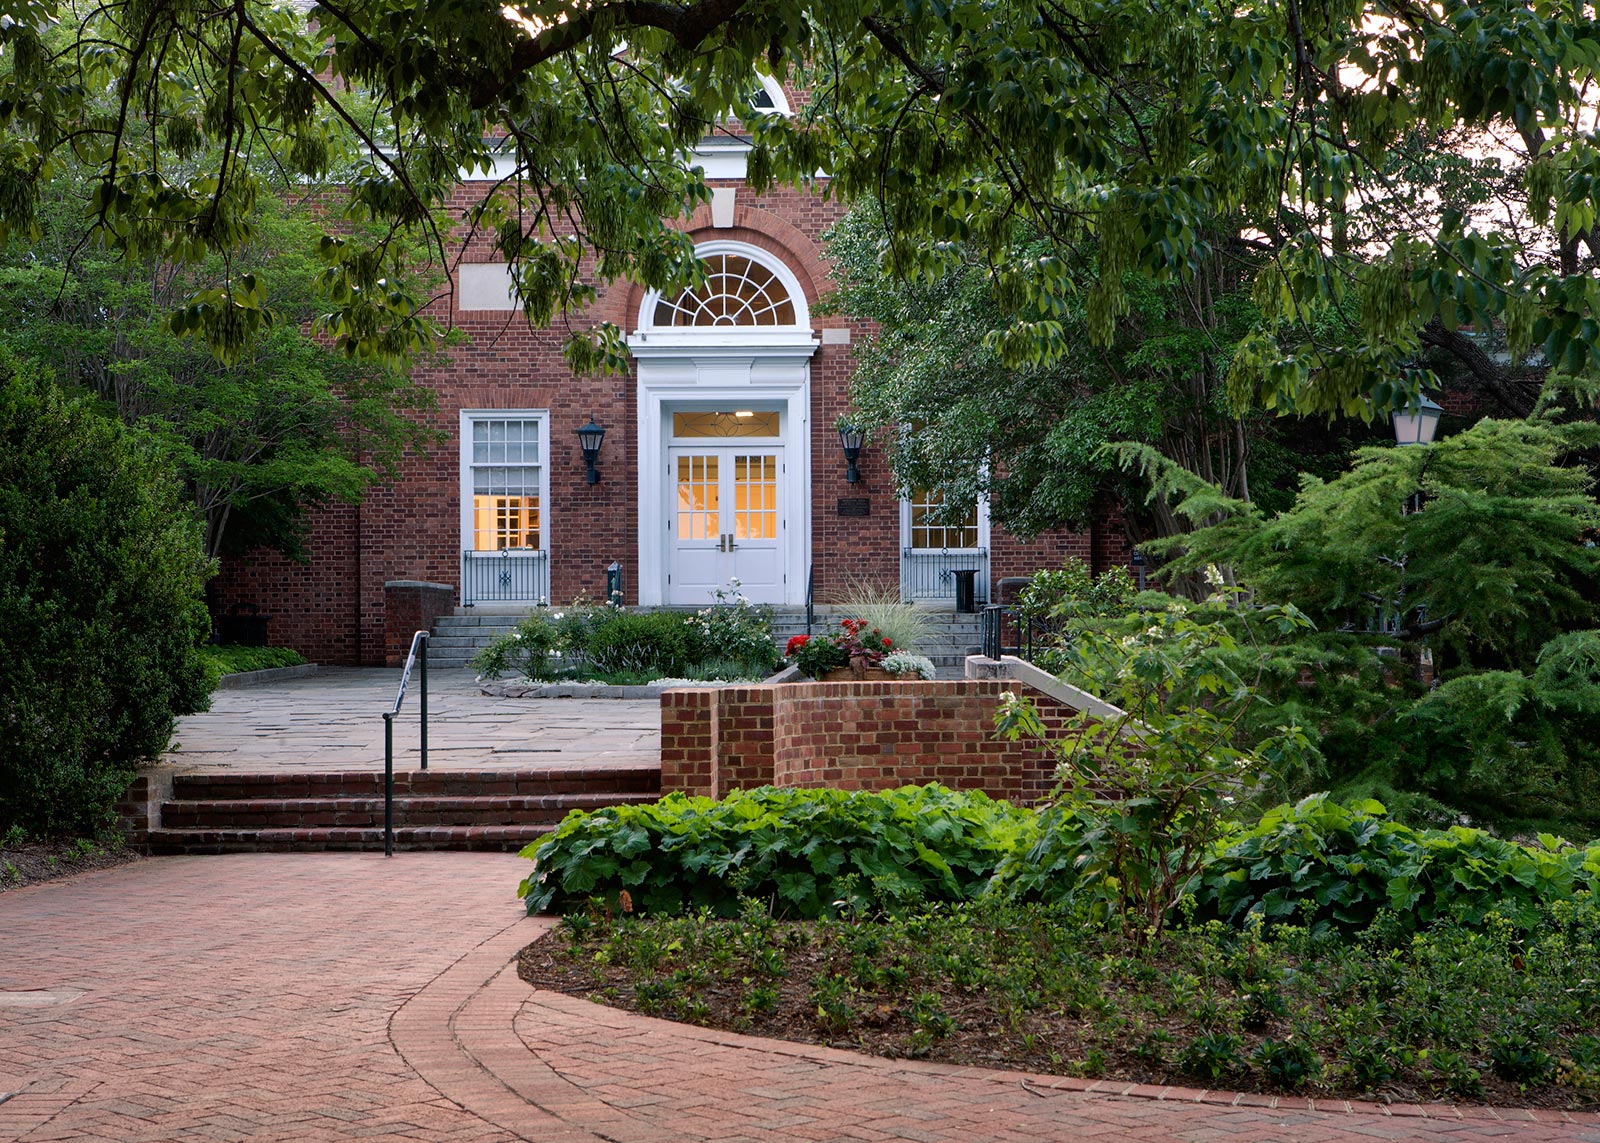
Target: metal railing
[
  {"x": 931, "y": 574},
  {"x": 811, "y": 588},
  {"x": 1005, "y": 630},
  {"x": 511, "y": 575},
  {"x": 419, "y": 654}
]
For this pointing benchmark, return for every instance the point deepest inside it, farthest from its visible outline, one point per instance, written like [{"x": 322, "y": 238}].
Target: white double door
[{"x": 725, "y": 521}]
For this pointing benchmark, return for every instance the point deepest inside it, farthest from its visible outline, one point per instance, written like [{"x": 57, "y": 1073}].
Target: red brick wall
[
  {"x": 851, "y": 736},
  {"x": 334, "y": 610}
]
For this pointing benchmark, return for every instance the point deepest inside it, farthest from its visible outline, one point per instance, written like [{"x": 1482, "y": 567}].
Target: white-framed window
[{"x": 505, "y": 480}]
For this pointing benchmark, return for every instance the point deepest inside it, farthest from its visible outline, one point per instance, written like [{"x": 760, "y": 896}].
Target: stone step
[
  {"x": 300, "y": 813},
  {"x": 420, "y": 783},
  {"x": 499, "y": 838}
]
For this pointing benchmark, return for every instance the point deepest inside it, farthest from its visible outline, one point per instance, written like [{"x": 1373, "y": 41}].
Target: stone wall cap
[{"x": 418, "y": 583}]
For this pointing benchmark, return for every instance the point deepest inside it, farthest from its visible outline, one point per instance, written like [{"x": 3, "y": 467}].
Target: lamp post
[
  {"x": 589, "y": 438},
  {"x": 1418, "y": 423},
  {"x": 850, "y": 439}
]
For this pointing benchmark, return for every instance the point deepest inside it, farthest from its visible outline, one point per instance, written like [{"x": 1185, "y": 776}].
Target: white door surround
[
  {"x": 724, "y": 367},
  {"x": 676, "y": 381}
]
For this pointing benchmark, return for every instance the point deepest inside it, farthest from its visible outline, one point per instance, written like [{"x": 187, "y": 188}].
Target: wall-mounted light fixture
[
  {"x": 589, "y": 438},
  {"x": 850, "y": 439}
]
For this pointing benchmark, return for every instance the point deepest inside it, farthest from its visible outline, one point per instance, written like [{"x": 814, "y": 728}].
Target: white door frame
[{"x": 762, "y": 365}]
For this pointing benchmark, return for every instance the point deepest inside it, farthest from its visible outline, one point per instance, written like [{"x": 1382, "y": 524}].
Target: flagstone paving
[
  {"x": 333, "y": 721},
  {"x": 318, "y": 997}
]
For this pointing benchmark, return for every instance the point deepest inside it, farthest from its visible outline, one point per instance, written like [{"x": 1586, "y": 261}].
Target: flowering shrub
[
  {"x": 818, "y": 655},
  {"x": 736, "y": 632},
  {"x": 906, "y": 663}
]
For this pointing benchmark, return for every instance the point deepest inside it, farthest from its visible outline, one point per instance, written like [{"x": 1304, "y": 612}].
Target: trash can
[{"x": 966, "y": 590}]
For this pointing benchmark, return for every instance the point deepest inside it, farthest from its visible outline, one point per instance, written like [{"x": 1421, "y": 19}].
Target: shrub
[
  {"x": 810, "y": 852},
  {"x": 100, "y": 607},
  {"x": 232, "y": 660},
  {"x": 526, "y": 649},
  {"x": 664, "y": 641},
  {"x": 1072, "y": 591},
  {"x": 733, "y": 630}
]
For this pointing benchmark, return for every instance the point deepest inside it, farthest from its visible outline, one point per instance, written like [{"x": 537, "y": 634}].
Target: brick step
[
  {"x": 499, "y": 838},
  {"x": 419, "y": 783},
  {"x": 293, "y": 813}
]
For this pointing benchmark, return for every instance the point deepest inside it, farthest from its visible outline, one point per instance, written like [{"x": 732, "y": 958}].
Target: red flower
[{"x": 794, "y": 644}]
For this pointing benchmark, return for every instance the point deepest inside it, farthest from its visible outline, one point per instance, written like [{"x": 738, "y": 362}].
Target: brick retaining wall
[{"x": 852, "y": 736}]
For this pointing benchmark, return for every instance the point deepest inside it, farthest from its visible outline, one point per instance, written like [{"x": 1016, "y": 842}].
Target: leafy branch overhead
[{"x": 1162, "y": 134}]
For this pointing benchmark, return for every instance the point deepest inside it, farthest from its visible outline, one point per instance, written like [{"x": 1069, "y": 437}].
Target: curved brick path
[{"x": 332, "y": 997}]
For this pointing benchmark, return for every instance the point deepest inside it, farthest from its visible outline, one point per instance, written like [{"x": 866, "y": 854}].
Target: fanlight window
[{"x": 738, "y": 292}]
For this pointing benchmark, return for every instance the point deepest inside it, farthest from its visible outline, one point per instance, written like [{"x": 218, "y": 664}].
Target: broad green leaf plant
[{"x": 1144, "y": 794}]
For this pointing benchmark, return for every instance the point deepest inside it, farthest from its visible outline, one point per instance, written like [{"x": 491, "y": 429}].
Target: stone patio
[{"x": 333, "y": 721}]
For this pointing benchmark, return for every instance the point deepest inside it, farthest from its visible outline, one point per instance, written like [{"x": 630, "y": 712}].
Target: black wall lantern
[
  {"x": 850, "y": 440},
  {"x": 589, "y": 438}
]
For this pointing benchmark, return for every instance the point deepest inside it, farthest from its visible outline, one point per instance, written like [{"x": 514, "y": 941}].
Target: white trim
[
  {"x": 712, "y": 335},
  {"x": 468, "y": 416},
  {"x": 768, "y": 380},
  {"x": 773, "y": 88},
  {"x": 983, "y": 528}
]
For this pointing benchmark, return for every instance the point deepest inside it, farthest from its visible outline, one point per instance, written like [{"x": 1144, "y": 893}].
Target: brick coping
[{"x": 460, "y": 1033}]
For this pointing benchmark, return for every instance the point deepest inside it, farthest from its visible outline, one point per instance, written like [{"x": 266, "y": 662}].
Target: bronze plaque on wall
[{"x": 855, "y": 506}]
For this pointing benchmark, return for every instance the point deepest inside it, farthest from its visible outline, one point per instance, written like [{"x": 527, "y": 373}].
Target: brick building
[{"x": 721, "y": 456}]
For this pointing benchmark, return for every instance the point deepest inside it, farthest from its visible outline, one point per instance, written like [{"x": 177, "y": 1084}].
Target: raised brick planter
[
  {"x": 410, "y": 606},
  {"x": 852, "y": 736}
]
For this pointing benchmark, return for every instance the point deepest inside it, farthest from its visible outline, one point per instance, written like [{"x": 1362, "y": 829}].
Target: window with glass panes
[
  {"x": 507, "y": 470},
  {"x": 933, "y": 530}
]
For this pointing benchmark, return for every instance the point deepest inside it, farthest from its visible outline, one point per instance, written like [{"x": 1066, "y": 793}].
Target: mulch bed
[
  {"x": 1044, "y": 1042},
  {"x": 31, "y": 864}
]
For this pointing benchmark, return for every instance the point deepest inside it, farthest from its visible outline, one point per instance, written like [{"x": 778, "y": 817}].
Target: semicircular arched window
[{"x": 739, "y": 291}]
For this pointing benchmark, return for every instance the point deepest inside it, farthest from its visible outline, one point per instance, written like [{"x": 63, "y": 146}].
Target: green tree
[
  {"x": 285, "y": 424},
  {"x": 100, "y": 612},
  {"x": 1131, "y": 125},
  {"x": 1033, "y": 436},
  {"x": 1491, "y": 567}
]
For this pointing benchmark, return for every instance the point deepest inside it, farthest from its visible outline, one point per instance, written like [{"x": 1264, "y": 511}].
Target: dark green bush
[
  {"x": 810, "y": 852},
  {"x": 665, "y": 641},
  {"x": 100, "y": 607}
]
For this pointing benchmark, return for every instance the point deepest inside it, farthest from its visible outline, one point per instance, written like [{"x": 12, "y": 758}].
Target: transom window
[
  {"x": 739, "y": 423},
  {"x": 929, "y": 530},
  {"x": 507, "y": 468},
  {"x": 738, "y": 292}
]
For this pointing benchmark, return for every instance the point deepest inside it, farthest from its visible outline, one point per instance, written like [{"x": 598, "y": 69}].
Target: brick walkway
[{"x": 331, "y": 997}]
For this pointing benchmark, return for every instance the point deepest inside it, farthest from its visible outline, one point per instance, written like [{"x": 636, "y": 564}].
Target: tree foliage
[
  {"x": 285, "y": 424},
  {"x": 100, "y": 613},
  {"x": 1033, "y": 436},
  {"x": 1131, "y": 126},
  {"x": 1477, "y": 540}
]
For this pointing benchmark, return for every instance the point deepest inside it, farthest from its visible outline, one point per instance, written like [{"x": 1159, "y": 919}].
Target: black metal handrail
[
  {"x": 419, "y": 653},
  {"x": 811, "y": 584},
  {"x": 1005, "y": 630}
]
